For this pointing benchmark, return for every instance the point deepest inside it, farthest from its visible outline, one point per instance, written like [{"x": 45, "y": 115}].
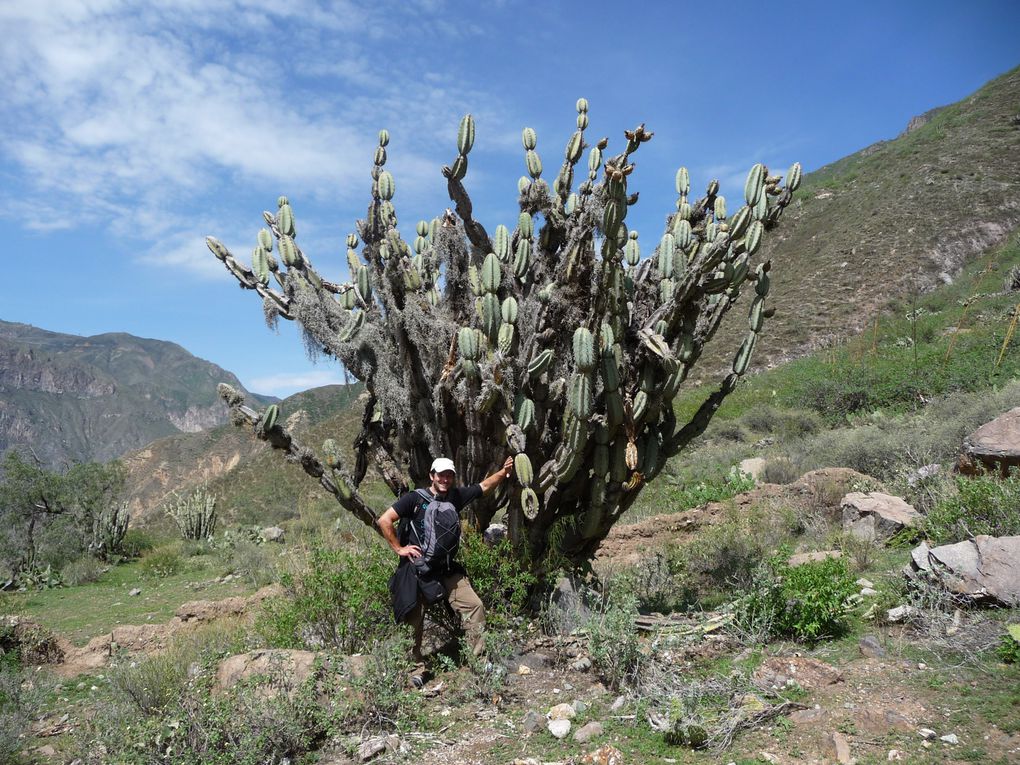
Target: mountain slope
[
  {"x": 250, "y": 480},
  {"x": 71, "y": 398},
  {"x": 896, "y": 218}
]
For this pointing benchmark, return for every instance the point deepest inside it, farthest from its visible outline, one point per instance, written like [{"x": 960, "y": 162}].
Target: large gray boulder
[
  {"x": 983, "y": 570},
  {"x": 994, "y": 444},
  {"x": 875, "y": 516}
]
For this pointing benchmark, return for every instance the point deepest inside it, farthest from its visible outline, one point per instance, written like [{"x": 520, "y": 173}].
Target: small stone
[
  {"x": 870, "y": 647},
  {"x": 524, "y": 669},
  {"x": 769, "y": 757},
  {"x": 900, "y": 613},
  {"x": 46, "y": 751},
  {"x": 580, "y": 706},
  {"x": 950, "y": 738},
  {"x": 922, "y": 665},
  {"x": 562, "y": 712},
  {"x": 894, "y": 755},
  {"x": 581, "y": 665},
  {"x": 370, "y": 748},
  {"x": 559, "y": 728},
  {"x": 533, "y": 721},
  {"x": 862, "y": 582},
  {"x": 568, "y": 687},
  {"x": 926, "y": 733},
  {"x": 618, "y": 703},
  {"x": 587, "y": 732},
  {"x": 868, "y": 592},
  {"x": 136, "y": 591}
]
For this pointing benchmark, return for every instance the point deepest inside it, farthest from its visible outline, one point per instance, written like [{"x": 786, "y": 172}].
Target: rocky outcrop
[
  {"x": 874, "y": 516},
  {"x": 280, "y": 671},
  {"x": 985, "y": 570},
  {"x": 995, "y": 444}
]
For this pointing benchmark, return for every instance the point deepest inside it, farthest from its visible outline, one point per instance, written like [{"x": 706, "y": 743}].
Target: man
[{"x": 449, "y": 581}]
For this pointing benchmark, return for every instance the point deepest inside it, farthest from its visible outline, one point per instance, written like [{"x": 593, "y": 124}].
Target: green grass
[{"x": 83, "y": 612}]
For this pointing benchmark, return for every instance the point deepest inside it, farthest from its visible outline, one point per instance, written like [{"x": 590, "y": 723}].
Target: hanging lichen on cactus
[{"x": 559, "y": 341}]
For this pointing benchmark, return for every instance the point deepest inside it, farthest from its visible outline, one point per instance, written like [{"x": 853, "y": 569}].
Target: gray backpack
[{"x": 436, "y": 530}]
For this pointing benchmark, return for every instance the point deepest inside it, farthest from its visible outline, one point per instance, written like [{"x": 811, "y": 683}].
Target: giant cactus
[{"x": 556, "y": 342}]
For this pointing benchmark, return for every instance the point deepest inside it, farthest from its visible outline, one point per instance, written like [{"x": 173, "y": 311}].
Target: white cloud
[{"x": 141, "y": 118}]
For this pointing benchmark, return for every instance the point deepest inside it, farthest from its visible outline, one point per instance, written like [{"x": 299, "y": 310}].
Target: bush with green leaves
[
  {"x": 250, "y": 724},
  {"x": 340, "y": 600},
  {"x": 978, "y": 505},
  {"x": 49, "y": 518},
  {"x": 499, "y": 576},
  {"x": 809, "y": 602},
  {"x": 1009, "y": 647}
]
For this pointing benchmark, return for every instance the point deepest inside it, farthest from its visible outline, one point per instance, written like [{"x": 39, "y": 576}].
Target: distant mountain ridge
[{"x": 72, "y": 398}]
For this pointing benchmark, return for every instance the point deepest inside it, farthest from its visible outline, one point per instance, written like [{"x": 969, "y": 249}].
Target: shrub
[
  {"x": 809, "y": 602},
  {"x": 497, "y": 575},
  {"x": 780, "y": 470},
  {"x": 612, "y": 640},
  {"x": 136, "y": 543},
  {"x": 376, "y": 695},
  {"x": 81, "y": 571},
  {"x": 341, "y": 600},
  {"x": 164, "y": 561},
  {"x": 1009, "y": 647},
  {"x": 980, "y": 505},
  {"x": 22, "y": 694},
  {"x": 661, "y": 584},
  {"x": 255, "y": 563}
]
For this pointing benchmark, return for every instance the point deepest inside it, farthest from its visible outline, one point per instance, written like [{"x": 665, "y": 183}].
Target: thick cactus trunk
[{"x": 555, "y": 342}]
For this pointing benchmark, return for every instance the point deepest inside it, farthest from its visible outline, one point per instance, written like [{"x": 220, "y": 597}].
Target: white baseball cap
[{"x": 442, "y": 464}]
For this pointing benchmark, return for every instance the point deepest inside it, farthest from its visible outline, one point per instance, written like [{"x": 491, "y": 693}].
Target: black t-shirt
[{"x": 407, "y": 506}]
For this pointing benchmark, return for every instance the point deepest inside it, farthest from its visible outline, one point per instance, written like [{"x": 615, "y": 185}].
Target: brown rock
[
  {"x": 809, "y": 674},
  {"x": 876, "y": 516},
  {"x": 812, "y": 557},
  {"x": 984, "y": 569},
  {"x": 285, "y": 670},
  {"x": 996, "y": 443},
  {"x": 840, "y": 748}
]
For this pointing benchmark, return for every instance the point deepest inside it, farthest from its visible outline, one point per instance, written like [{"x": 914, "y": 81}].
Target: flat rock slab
[
  {"x": 876, "y": 516},
  {"x": 984, "y": 570},
  {"x": 996, "y": 440}
]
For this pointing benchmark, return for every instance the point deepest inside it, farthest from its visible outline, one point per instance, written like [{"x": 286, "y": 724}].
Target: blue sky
[{"x": 129, "y": 131}]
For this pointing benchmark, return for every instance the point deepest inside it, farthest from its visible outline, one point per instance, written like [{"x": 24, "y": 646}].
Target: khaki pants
[{"x": 464, "y": 601}]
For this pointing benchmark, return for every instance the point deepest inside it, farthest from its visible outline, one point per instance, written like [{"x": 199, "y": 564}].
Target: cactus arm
[{"x": 279, "y": 438}]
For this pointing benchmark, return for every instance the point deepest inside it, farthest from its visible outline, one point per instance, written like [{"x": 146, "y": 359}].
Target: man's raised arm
[{"x": 494, "y": 480}]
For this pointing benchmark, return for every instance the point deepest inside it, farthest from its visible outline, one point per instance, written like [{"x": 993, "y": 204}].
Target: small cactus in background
[
  {"x": 108, "y": 529},
  {"x": 195, "y": 515},
  {"x": 558, "y": 341}
]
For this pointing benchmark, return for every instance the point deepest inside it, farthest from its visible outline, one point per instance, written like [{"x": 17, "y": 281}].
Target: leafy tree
[
  {"x": 49, "y": 517},
  {"x": 555, "y": 341}
]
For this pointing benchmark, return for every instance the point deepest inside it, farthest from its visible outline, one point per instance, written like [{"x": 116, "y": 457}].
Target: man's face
[{"x": 442, "y": 482}]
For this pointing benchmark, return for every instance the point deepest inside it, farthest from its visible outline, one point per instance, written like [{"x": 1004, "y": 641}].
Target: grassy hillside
[
  {"x": 253, "y": 484},
  {"x": 895, "y": 219}
]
